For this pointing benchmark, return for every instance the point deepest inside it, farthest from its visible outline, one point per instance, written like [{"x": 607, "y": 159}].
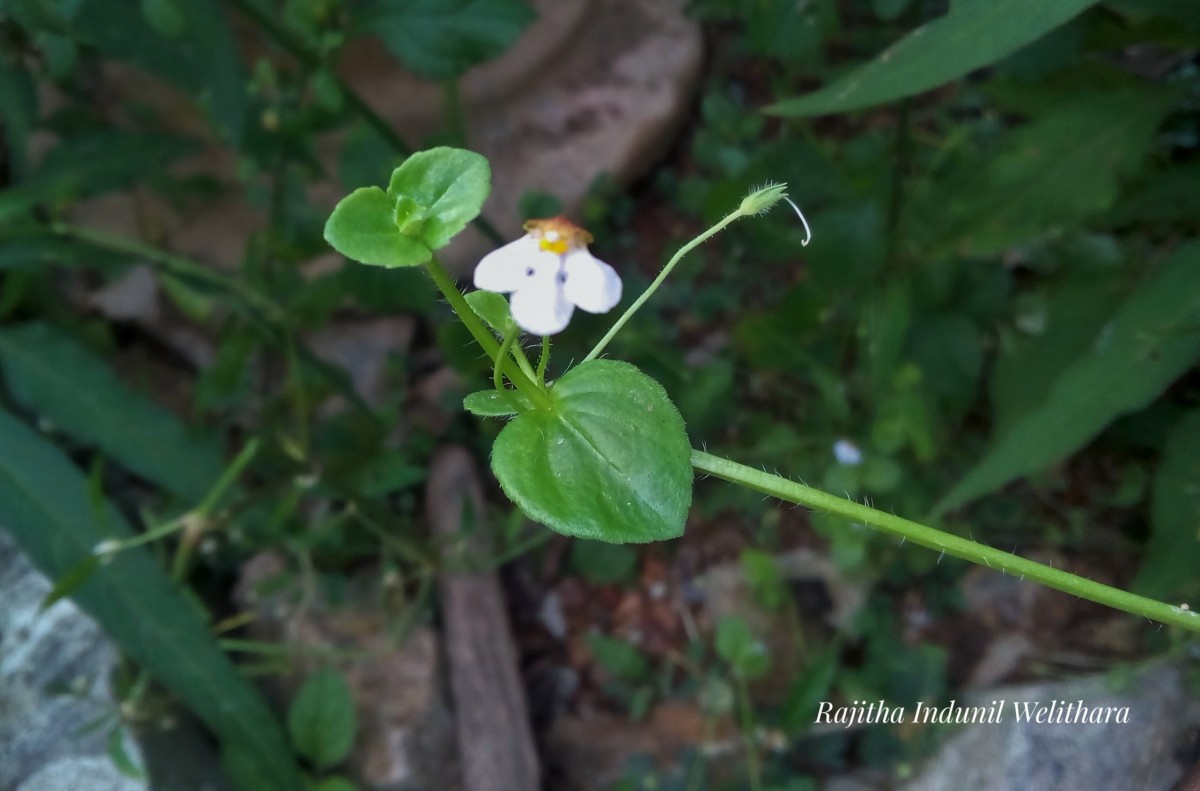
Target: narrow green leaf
[
  {"x": 449, "y": 184},
  {"x": 809, "y": 689},
  {"x": 441, "y": 39},
  {"x": 44, "y": 506},
  {"x": 1148, "y": 343},
  {"x": 120, "y": 756},
  {"x": 48, "y": 373},
  {"x": 1173, "y": 552},
  {"x": 71, "y": 581},
  {"x": 321, "y": 719},
  {"x": 1068, "y": 319},
  {"x": 363, "y": 228},
  {"x": 1062, "y": 168},
  {"x": 610, "y": 460},
  {"x": 967, "y": 38}
]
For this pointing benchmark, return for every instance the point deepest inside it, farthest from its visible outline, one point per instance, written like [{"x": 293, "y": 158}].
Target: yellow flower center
[{"x": 558, "y": 235}]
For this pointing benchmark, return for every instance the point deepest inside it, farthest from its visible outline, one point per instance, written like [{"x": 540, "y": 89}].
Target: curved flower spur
[{"x": 549, "y": 273}]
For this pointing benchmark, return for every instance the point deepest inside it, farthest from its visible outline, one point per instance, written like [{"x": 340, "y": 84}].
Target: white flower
[
  {"x": 549, "y": 272},
  {"x": 846, "y": 452}
]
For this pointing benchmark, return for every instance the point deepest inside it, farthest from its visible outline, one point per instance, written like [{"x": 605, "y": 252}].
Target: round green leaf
[
  {"x": 450, "y": 184},
  {"x": 609, "y": 460},
  {"x": 321, "y": 719},
  {"x": 363, "y": 228}
]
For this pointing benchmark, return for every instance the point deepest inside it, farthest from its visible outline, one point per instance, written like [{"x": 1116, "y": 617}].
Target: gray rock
[
  {"x": 1145, "y": 752},
  {"x": 79, "y": 773},
  {"x": 54, "y": 671}
]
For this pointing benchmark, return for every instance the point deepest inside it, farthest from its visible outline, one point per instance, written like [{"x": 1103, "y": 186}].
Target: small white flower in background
[
  {"x": 549, "y": 272},
  {"x": 846, "y": 452}
]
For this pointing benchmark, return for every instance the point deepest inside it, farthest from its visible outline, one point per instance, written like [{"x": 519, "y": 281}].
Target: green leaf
[
  {"x": 809, "y": 689},
  {"x": 120, "y": 757},
  {"x": 764, "y": 578},
  {"x": 51, "y": 375},
  {"x": 334, "y": 784},
  {"x": 736, "y": 644},
  {"x": 602, "y": 563},
  {"x": 1062, "y": 325},
  {"x": 610, "y": 460},
  {"x": 887, "y": 10},
  {"x": 493, "y": 309},
  {"x": 44, "y": 505},
  {"x": 441, "y": 39},
  {"x": 1173, "y": 551},
  {"x": 165, "y": 17},
  {"x": 321, "y": 719},
  {"x": 449, "y": 184},
  {"x": 622, "y": 660},
  {"x": 1063, "y": 168},
  {"x": 71, "y": 581},
  {"x": 966, "y": 39},
  {"x": 18, "y": 113},
  {"x": 363, "y": 228},
  {"x": 1147, "y": 344},
  {"x": 1167, "y": 196},
  {"x": 490, "y": 403},
  {"x": 206, "y": 64}
]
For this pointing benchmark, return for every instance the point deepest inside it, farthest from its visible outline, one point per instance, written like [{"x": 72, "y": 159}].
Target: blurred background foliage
[{"x": 1000, "y": 310}]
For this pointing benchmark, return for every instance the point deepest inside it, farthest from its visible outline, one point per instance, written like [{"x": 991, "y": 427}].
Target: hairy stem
[
  {"x": 658, "y": 281},
  {"x": 946, "y": 543},
  {"x": 483, "y": 335}
]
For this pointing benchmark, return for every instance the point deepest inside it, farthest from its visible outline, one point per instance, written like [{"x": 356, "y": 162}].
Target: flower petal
[
  {"x": 590, "y": 283},
  {"x": 505, "y": 269},
  {"x": 539, "y": 307}
]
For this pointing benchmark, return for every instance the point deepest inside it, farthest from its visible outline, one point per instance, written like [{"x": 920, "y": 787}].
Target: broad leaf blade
[
  {"x": 1173, "y": 553},
  {"x": 448, "y": 184},
  {"x": 1148, "y": 343},
  {"x": 44, "y": 504},
  {"x": 50, "y": 374},
  {"x": 609, "y": 461},
  {"x": 966, "y": 39},
  {"x": 362, "y": 227}
]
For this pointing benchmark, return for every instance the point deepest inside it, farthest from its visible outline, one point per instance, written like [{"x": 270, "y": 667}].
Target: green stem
[
  {"x": 518, "y": 353},
  {"x": 483, "y": 335},
  {"x": 543, "y": 361},
  {"x": 746, "y": 715},
  {"x": 658, "y": 281},
  {"x": 497, "y": 374},
  {"x": 946, "y": 543},
  {"x": 173, "y": 264}
]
